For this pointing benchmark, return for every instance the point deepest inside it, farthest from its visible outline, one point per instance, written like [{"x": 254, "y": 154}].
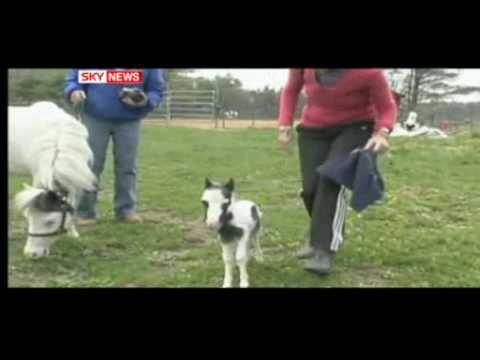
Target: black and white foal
[{"x": 238, "y": 223}]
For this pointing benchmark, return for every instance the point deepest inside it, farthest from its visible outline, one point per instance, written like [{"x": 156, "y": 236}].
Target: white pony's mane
[{"x": 62, "y": 154}]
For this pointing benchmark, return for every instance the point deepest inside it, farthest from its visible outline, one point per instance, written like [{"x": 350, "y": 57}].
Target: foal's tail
[{"x": 257, "y": 216}]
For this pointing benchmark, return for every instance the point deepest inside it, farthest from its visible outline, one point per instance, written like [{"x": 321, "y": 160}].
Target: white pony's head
[
  {"x": 60, "y": 159},
  {"x": 411, "y": 122},
  {"x": 49, "y": 215}
]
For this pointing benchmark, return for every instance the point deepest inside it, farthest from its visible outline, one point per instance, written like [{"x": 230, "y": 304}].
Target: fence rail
[{"x": 188, "y": 103}]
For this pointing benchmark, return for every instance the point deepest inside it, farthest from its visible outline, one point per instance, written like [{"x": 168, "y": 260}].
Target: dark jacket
[
  {"x": 358, "y": 173},
  {"x": 103, "y": 100}
]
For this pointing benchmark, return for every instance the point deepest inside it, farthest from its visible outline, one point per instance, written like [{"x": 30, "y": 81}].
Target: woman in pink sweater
[{"x": 346, "y": 109}]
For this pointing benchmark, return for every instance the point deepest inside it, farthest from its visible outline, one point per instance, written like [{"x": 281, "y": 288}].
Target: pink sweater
[{"x": 358, "y": 94}]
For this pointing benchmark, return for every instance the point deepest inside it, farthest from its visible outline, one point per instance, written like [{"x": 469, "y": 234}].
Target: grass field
[
  {"x": 425, "y": 234},
  {"x": 210, "y": 124}
]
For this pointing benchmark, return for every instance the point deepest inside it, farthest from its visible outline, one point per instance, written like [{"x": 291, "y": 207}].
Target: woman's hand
[
  {"x": 285, "y": 136},
  {"x": 379, "y": 143}
]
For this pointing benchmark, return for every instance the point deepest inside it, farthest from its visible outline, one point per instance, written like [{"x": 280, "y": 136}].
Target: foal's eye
[{"x": 205, "y": 203}]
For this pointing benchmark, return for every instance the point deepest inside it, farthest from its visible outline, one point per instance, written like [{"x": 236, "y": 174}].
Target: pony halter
[{"x": 65, "y": 208}]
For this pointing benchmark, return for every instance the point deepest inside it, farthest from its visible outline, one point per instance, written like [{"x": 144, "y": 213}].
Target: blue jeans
[{"x": 126, "y": 138}]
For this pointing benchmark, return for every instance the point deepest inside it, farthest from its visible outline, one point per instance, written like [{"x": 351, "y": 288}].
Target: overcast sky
[{"x": 259, "y": 78}]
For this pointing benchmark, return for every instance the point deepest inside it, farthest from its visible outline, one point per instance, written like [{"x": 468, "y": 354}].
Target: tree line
[{"x": 427, "y": 91}]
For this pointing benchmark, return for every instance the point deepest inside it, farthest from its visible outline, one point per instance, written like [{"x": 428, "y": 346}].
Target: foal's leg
[
  {"x": 229, "y": 261},
  {"x": 242, "y": 256}
]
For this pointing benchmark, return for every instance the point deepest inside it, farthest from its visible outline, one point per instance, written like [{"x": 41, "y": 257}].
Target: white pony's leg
[
  {"x": 229, "y": 261},
  {"x": 242, "y": 256},
  {"x": 72, "y": 229}
]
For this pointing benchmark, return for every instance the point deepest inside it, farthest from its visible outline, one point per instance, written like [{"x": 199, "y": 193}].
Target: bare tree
[{"x": 433, "y": 85}]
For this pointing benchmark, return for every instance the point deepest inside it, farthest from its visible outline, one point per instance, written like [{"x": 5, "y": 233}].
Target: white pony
[
  {"x": 411, "y": 122},
  {"x": 412, "y": 128},
  {"x": 398, "y": 131},
  {"x": 50, "y": 145},
  {"x": 429, "y": 132}
]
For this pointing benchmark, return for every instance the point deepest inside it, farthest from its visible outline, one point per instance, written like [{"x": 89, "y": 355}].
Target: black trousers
[{"x": 324, "y": 200}]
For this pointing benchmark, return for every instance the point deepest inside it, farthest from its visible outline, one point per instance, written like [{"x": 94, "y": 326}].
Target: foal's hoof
[
  {"x": 244, "y": 285},
  {"x": 305, "y": 253},
  {"x": 227, "y": 286}
]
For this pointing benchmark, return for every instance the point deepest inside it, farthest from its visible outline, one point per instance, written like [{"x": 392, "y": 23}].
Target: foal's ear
[
  {"x": 208, "y": 183},
  {"x": 230, "y": 185}
]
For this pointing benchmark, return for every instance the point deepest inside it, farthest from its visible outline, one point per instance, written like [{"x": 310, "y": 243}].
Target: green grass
[{"x": 426, "y": 233}]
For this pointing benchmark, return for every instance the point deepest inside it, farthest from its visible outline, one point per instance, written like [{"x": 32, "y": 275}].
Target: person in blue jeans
[{"x": 107, "y": 115}]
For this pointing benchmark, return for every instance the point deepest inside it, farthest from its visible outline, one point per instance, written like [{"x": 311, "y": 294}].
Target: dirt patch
[
  {"x": 198, "y": 234},
  {"x": 17, "y": 279},
  {"x": 366, "y": 275},
  {"x": 176, "y": 261},
  {"x": 160, "y": 216},
  {"x": 194, "y": 232},
  {"x": 25, "y": 280},
  {"x": 167, "y": 259}
]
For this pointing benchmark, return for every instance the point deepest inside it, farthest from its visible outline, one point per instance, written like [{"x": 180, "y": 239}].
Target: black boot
[
  {"x": 307, "y": 251},
  {"x": 320, "y": 263}
]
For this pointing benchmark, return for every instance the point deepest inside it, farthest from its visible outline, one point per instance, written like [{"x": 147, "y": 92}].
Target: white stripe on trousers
[{"x": 339, "y": 220}]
